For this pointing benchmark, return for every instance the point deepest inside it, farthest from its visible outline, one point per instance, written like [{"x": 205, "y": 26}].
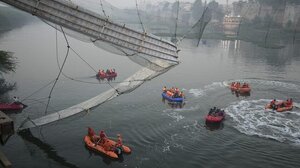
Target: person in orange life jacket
[
  {"x": 102, "y": 72},
  {"x": 244, "y": 85},
  {"x": 91, "y": 134},
  {"x": 288, "y": 102},
  {"x": 102, "y": 136},
  {"x": 119, "y": 142},
  {"x": 291, "y": 101},
  {"x": 236, "y": 84},
  {"x": 232, "y": 84},
  {"x": 172, "y": 90}
]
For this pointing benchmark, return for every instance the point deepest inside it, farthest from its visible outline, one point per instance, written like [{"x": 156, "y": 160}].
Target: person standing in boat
[
  {"x": 102, "y": 136},
  {"x": 91, "y": 134},
  {"x": 119, "y": 144},
  {"x": 289, "y": 102}
]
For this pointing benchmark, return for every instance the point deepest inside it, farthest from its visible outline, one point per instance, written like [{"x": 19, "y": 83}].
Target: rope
[
  {"x": 137, "y": 10},
  {"x": 83, "y": 59},
  {"x": 101, "y": 4},
  {"x": 269, "y": 25},
  {"x": 199, "y": 21},
  {"x": 176, "y": 24},
  {"x": 38, "y": 90},
  {"x": 60, "y": 71}
]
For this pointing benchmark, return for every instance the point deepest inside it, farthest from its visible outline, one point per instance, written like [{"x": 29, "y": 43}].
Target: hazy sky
[{"x": 130, "y": 3}]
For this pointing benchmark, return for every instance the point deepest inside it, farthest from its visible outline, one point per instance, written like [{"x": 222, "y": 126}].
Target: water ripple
[{"x": 250, "y": 117}]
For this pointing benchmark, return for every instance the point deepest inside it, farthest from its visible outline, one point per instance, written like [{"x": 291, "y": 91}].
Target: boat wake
[
  {"x": 251, "y": 118},
  {"x": 207, "y": 88},
  {"x": 173, "y": 114}
]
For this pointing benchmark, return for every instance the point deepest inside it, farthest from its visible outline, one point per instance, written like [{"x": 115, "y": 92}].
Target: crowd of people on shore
[{"x": 173, "y": 92}]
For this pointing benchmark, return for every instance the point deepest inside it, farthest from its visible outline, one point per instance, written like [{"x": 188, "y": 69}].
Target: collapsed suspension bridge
[{"x": 155, "y": 54}]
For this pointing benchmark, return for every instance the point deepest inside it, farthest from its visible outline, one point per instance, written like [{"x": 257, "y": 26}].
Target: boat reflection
[
  {"x": 214, "y": 126},
  {"x": 107, "y": 160},
  {"x": 46, "y": 148},
  {"x": 106, "y": 79},
  {"x": 238, "y": 94},
  {"x": 174, "y": 105}
]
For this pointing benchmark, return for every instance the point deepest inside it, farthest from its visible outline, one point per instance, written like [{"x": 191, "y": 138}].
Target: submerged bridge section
[{"x": 98, "y": 29}]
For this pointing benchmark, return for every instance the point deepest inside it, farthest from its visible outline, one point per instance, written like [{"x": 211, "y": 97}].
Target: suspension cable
[
  {"x": 60, "y": 71},
  {"x": 138, "y": 13},
  {"x": 176, "y": 24},
  {"x": 38, "y": 90},
  {"x": 199, "y": 21},
  {"x": 101, "y": 4}
]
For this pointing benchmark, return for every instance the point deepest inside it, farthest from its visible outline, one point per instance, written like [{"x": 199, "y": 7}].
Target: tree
[
  {"x": 7, "y": 64},
  {"x": 197, "y": 9}
]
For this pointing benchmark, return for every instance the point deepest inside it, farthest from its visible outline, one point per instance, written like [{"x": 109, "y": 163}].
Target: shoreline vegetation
[{"x": 7, "y": 64}]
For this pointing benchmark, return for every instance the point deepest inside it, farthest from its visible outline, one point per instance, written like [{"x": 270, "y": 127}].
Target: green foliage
[{"x": 7, "y": 62}]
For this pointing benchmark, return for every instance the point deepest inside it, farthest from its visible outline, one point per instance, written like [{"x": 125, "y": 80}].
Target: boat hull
[
  {"x": 11, "y": 106},
  {"x": 113, "y": 75},
  {"x": 280, "y": 109},
  {"x": 171, "y": 99},
  {"x": 106, "y": 148},
  {"x": 241, "y": 90},
  {"x": 214, "y": 119}
]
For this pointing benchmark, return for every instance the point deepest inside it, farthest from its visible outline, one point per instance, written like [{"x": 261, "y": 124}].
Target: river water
[{"x": 159, "y": 134}]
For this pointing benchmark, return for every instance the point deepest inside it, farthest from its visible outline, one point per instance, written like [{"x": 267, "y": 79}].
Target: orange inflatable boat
[
  {"x": 280, "y": 109},
  {"x": 240, "y": 88},
  {"x": 281, "y": 106},
  {"x": 107, "y": 147}
]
